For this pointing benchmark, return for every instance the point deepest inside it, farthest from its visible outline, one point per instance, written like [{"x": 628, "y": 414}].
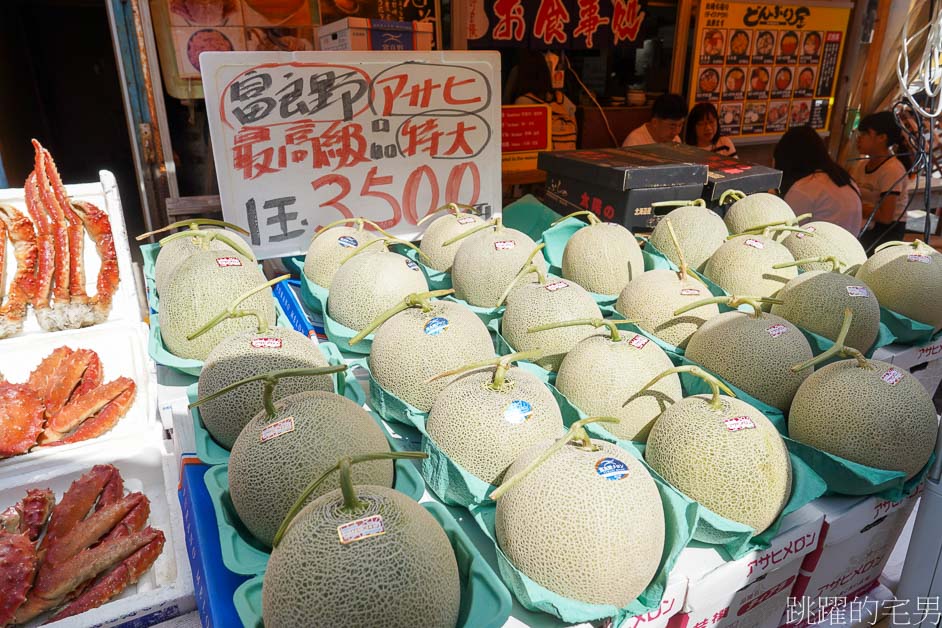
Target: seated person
[
  {"x": 667, "y": 119},
  {"x": 703, "y": 131}
]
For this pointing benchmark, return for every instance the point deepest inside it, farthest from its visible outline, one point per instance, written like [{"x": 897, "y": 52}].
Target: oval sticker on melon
[
  {"x": 266, "y": 343},
  {"x": 858, "y": 291},
  {"x": 347, "y": 242},
  {"x": 739, "y": 423},
  {"x": 276, "y": 429},
  {"x": 505, "y": 245},
  {"x": 518, "y": 411},
  {"x": 435, "y": 326},
  {"x": 465, "y": 220},
  {"x": 756, "y": 244},
  {"x": 228, "y": 262},
  {"x": 611, "y": 468},
  {"x": 919, "y": 257},
  {"x": 892, "y": 376},
  {"x": 360, "y": 529},
  {"x": 556, "y": 285},
  {"x": 776, "y": 330}
]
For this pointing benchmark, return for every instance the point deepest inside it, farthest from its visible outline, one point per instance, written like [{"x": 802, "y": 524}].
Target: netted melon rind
[
  {"x": 826, "y": 239},
  {"x": 326, "y": 253},
  {"x": 602, "y": 258},
  {"x": 405, "y": 577},
  {"x": 912, "y": 288},
  {"x": 742, "y": 474},
  {"x": 589, "y": 553},
  {"x": 757, "y": 209},
  {"x": 700, "y": 231},
  {"x": 854, "y": 413},
  {"x": 741, "y": 269},
  {"x": 265, "y": 478},
  {"x": 175, "y": 252},
  {"x": 481, "y": 272},
  {"x": 440, "y": 231}
]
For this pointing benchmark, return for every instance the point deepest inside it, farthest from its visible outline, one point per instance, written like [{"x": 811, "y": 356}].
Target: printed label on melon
[
  {"x": 639, "y": 341},
  {"x": 412, "y": 265},
  {"x": 756, "y": 244},
  {"x": 611, "y": 468},
  {"x": 518, "y": 411},
  {"x": 276, "y": 429},
  {"x": 436, "y": 326},
  {"x": 776, "y": 330},
  {"x": 739, "y": 423},
  {"x": 801, "y": 236},
  {"x": 505, "y": 245},
  {"x": 690, "y": 292},
  {"x": 348, "y": 242},
  {"x": 919, "y": 257},
  {"x": 556, "y": 285},
  {"x": 266, "y": 343},
  {"x": 227, "y": 262},
  {"x": 361, "y": 529},
  {"x": 892, "y": 376},
  {"x": 858, "y": 291},
  {"x": 466, "y": 220}
]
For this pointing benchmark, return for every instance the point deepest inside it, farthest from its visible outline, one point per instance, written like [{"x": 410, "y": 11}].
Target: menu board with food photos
[{"x": 767, "y": 67}]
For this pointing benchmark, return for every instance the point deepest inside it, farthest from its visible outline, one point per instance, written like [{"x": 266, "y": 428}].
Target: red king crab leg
[
  {"x": 45, "y": 251},
  {"x": 99, "y": 230},
  {"x": 23, "y": 287},
  {"x": 75, "y": 232},
  {"x": 58, "y": 226}
]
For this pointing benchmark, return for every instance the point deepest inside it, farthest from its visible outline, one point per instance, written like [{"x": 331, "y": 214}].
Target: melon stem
[
  {"x": 454, "y": 208},
  {"x": 915, "y": 244},
  {"x": 358, "y": 222},
  {"x": 233, "y": 312},
  {"x": 351, "y": 504},
  {"x": 270, "y": 379},
  {"x": 575, "y": 434},
  {"x": 838, "y": 348},
  {"x": 758, "y": 229},
  {"x": 736, "y": 195},
  {"x": 770, "y": 230},
  {"x": 495, "y": 222},
  {"x": 528, "y": 267},
  {"x": 594, "y": 322},
  {"x": 732, "y": 301},
  {"x": 823, "y": 259},
  {"x": 715, "y": 384},
  {"x": 417, "y": 299},
  {"x": 682, "y": 274},
  {"x": 193, "y": 225},
  {"x": 501, "y": 364},
  {"x": 697, "y": 202},
  {"x": 205, "y": 237},
  {"x": 593, "y": 219}
]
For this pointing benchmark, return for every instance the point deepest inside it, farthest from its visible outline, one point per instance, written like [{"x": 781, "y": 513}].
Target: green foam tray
[{"x": 485, "y": 601}]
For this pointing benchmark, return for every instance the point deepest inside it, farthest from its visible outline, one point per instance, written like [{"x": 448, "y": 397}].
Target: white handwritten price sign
[{"x": 304, "y": 139}]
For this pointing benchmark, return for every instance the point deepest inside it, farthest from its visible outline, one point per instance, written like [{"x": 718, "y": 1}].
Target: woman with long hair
[
  {"x": 814, "y": 183},
  {"x": 882, "y": 176},
  {"x": 703, "y": 131}
]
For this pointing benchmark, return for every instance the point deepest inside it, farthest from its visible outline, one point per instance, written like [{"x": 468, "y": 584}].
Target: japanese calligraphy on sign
[
  {"x": 301, "y": 140},
  {"x": 571, "y": 24},
  {"x": 768, "y": 66}
]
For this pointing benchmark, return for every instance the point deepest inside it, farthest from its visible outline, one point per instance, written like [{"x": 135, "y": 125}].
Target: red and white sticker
[
  {"x": 739, "y": 423},
  {"x": 465, "y": 220},
  {"x": 689, "y": 292},
  {"x": 756, "y": 244},
  {"x": 801, "y": 236},
  {"x": 556, "y": 285},
  {"x": 892, "y": 376},
  {"x": 266, "y": 343},
  {"x": 360, "y": 529},
  {"x": 776, "y": 330},
  {"x": 276, "y": 429},
  {"x": 919, "y": 257},
  {"x": 226, "y": 262},
  {"x": 858, "y": 291},
  {"x": 505, "y": 245},
  {"x": 639, "y": 341}
]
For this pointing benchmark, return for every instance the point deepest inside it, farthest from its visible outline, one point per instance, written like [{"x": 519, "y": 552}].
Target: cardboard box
[
  {"x": 908, "y": 357},
  {"x": 671, "y": 604},
  {"x": 360, "y": 33},
  {"x": 857, "y": 538},
  {"x": 751, "y": 592},
  {"x": 623, "y": 169}
]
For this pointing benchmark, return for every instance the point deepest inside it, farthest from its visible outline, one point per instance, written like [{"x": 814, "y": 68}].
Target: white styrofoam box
[
  {"x": 104, "y": 195},
  {"x": 166, "y": 589},
  {"x": 360, "y": 33},
  {"x": 751, "y": 592},
  {"x": 893, "y": 570},
  {"x": 121, "y": 348},
  {"x": 857, "y": 538}
]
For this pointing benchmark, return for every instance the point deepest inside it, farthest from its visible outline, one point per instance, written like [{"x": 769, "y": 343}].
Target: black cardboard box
[{"x": 623, "y": 168}]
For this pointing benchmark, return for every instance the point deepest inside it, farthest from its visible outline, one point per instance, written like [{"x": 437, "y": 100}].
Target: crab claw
[
  {"x": 21, "y": 419},
  {"x": 30, "y": 514},
  {"x": 77, "y": 501},
  {"x": 91, "y": 414},
  {"x": 18, "y": 563}
]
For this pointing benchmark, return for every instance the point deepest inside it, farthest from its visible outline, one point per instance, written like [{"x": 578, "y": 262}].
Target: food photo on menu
[
  {"x": 730, "y": 118},
  {"x": 195, "y": 41},
  {"x": 708, "y": 84},
  {"x": 753, "y": 120},
  {"x": 804, "y": 85},
  {"x": 811, "y": 47},
  {"x": 738, "y": 47},
  {"x": 801, "y": 113},
  {"x": 764, "y": 49},
  {"x": 733, "y": 84},
  {"x": 713, "y": 47},
  {"x": 787, "y": 48},
  {"x": 782, "y": 83},
  {"x": 759, "y": 83},
  {"x": 777, "y": 116}
]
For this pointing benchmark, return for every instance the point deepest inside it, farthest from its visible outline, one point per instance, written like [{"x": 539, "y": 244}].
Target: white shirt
[
  {"x": 641, "y": 136},
  {"x": 888, "y": 176},
  {"x": 818, "y": 195}
]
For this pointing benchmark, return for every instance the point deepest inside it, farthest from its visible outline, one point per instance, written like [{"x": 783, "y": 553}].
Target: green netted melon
[
  {"x": 370, "y": 283},
  {"x": 533, "y": 304},
  {"x": 731, "y": 460},
  {"x": 204, "y": 286},
  {"x": 267, "y": 476},
  {"x": 826, "y": 239},
  {"x": 248, "y": 354},
  {"x": 757, "y": 209},
  {"x": 700, "y": 231},
  {"x": 413, "y": 346},
  {"x": 404, "y": 577},
  {"x": 743, "y": 265},
  {"x": 602, "y": 377},
  {"x": 907, "y": 279},
  {"x": 879, "y": 416},
  {"x": 485, "y": 430},
  {"x": 652, "y": 299},
  {"x": 607, "y": 534},
  {"x": 175, "y": 252},
  {"x": 815, "y": 300},
  {"x": 602, "y": 258},
  {"x": 488, "y": 261},
  {"x": 441, "y": 230},
  {"x": 328, "y": 250},
  {"x": 753, "y": 354}
]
